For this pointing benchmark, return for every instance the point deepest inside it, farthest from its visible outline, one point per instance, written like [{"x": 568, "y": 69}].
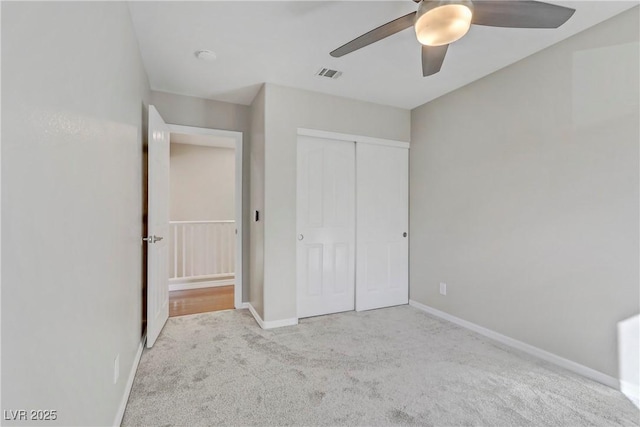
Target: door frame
[
  {"x": 238, "y": 141},
  {"x": 352, "y": 138}
]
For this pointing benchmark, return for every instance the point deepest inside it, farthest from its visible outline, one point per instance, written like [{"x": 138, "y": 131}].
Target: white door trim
[
  {"x": 193, "y": 130},
  {"x": 238, "y": 142},
  {"x": 352, "y": 138}
]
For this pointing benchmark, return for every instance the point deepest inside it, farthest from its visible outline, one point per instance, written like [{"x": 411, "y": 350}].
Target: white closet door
[
  {"x": 326, "y": 226},
  {"x": 382, "y": 264}
]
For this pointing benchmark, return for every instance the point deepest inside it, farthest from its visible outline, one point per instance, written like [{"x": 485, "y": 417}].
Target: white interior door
[
  {"x": 382, "y": 264},
  {"x": 326, "y": 226},
  {"x": 158, "y": 219}
]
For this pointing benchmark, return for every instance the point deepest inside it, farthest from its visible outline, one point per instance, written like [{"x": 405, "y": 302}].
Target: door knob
[
  {"x": 152, "y": 239},
  {"x": 157, "y": 238},
  {"x": 404, "y": 234},
  {"x": 300, "y": 236}
]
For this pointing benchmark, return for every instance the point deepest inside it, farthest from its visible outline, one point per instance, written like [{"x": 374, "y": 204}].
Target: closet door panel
[
  {"x": 382, "y": 254},
  {"x": 326, "y": 226}
]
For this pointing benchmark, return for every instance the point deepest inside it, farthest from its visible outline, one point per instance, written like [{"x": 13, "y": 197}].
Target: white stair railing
[{"x": 201, "y": 250}]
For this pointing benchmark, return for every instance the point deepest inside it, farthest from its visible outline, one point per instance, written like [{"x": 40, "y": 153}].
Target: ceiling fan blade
[
  {"x": 519, "y": 14},
  {"x": 432, "y": 58},
  {"x": 375, "y": 35}
]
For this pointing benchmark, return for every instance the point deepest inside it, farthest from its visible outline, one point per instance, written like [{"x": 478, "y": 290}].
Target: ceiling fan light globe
[{"x": 442, "y": 22}]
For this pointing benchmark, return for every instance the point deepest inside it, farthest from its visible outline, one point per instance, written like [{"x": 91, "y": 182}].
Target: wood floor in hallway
[{"x": 202, "y": 300}]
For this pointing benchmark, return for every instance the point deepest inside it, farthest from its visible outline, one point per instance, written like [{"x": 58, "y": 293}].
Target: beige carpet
[{"x": 395, "y": 366}]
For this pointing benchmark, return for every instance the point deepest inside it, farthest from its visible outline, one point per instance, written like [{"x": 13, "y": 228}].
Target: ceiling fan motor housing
[{"x": 440, "y": 22}]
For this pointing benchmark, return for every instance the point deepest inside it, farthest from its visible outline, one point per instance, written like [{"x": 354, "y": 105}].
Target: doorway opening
[{"x": 205, "y": 220}]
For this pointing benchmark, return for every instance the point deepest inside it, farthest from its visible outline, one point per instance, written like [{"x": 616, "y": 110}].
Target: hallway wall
[{"x": 202, "y": 183}]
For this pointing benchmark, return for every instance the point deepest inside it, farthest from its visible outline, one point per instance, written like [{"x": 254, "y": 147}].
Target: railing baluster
[
  {"x": 223, "y": 263},
  {"x": 214, "y": 253},
  {"x": 230, "y": 247},
  {"x": 197, "y": 250},
  {"x": 223, "y": 252},
  {"x": 194, "y": 249},
  {"x": 208, "y": 249},
  {"x": 221, "y": 249},
  {"x": 174, "y": 248},
  {"x": 216, "y": 242},
  {"x": 207, "y": 228},
  {"x": 191, "y": 227},
  {"x": 183, "y": 230}
]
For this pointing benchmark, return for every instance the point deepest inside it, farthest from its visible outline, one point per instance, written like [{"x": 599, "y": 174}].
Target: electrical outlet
[
  {"x": 116, "y": 369},
  {"x": 443, "y": 288}
]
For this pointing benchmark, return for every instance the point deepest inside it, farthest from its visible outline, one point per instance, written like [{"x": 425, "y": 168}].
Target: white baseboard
[
  {"x": 270, "y": 324},
  {"x": 129, "y": 386},
  {"x": 199, "y": 285},
  {"x": 244, "y": 305},
  {"x": 255, "y": 315},
  {"x": 527, "y": 348}
]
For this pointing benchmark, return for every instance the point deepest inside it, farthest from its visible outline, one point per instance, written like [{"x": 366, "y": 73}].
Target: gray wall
[
  {"x": 286, "y": 110},
  {"x": 524, "y": 196},
  {"x": 256, "y": 250},
  {"x": 202, "y": 183},
  {"x": 74, "y": 94},
  {"x": 207, "y": 113}
]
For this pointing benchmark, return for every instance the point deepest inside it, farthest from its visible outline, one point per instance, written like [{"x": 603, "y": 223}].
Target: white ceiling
[{"x": 286, "y": 42}]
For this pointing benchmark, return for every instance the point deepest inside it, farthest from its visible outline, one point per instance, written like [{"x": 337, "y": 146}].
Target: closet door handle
[
  {"x": 404, "y": 234},
  {"x": 300, "y": 236}
]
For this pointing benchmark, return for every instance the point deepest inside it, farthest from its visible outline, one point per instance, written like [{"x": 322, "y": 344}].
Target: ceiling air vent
[{"x": 326, "y": 72}]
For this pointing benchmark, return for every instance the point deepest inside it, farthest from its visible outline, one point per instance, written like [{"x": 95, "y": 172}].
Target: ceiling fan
[{"x": 440, "y": 22}]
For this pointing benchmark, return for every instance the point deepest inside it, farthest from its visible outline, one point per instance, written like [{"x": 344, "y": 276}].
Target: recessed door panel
[
  {"x": 314, "y": 177},
  {"x": 326, "y": 226},
  {"x": 375, "y": 268},
  {"x": 338, "y": 197},
  {"x": 341, "y": 266},
  {"x": 398, "y": 266},
  {"x": 315, "y": 269}
]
